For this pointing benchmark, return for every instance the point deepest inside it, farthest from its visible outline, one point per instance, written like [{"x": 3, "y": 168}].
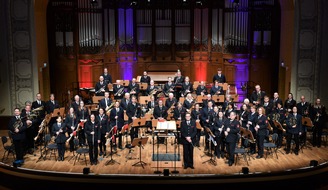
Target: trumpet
[
  {"x": 152, "y": 92},
  {"x": 133, "y": 90},
  {"x": 119, "y": 92},
  {"x": 101, "y": 89}
]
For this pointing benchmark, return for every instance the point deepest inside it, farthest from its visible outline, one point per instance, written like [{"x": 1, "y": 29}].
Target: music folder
[{"x": 166, "y": 125}]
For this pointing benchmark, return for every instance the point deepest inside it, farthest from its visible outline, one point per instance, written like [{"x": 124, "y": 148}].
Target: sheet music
[{"x": 166, "y": 125}]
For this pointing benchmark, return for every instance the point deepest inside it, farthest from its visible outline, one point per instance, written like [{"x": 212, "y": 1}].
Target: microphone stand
[
  {"x": 157, "y": 159},
  {"x": 175, "y": 171}
]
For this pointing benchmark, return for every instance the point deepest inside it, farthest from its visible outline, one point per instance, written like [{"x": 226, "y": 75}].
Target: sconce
[
  {"x": 282, "y": 64},
  {"x": 44, "y": 66}
]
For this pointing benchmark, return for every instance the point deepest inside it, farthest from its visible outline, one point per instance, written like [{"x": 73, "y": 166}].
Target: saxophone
[
  {"x": 152, "y": 92},
  {"x": 109, "y": 108}
]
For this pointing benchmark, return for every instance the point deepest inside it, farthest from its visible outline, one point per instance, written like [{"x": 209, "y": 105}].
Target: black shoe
[
  {"x": 192, "y": 167},
  {"x": 319, "y": 146},
  {"x": 259, "y": 156},
  {"x": 230, "y": 163},
  {"x": 91, "y": 163},
  {"x": 296, "y": 153},
  {"x": 120, "y": 147},
  {"x": 287, "y": 152},
  {"x": 101, "y": 153},
  {"x": 185, "y": 167}
]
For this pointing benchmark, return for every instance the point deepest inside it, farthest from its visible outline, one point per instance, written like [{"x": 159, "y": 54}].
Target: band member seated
[
  {"x": 188, "y": 139},
  {"x": 117, "y": 119},
  {"x": 276, "y": 100},
  {"x": 17, "y": 127},
  {"x": 151, "y": 89},
  {"x": 201, "y": 89},
  {"x": 133, "y": 112},
  {"x": 229, "y": 109},
  {"x": 319, "y": 118},
  {"x": 58, "y": 130},
  {"x": 145, "y": 78},
  {"x": 187, "y": 87},
  {"x": 125, "y": 101},
  {"x": 261, "y": 129},
  {"x": 101, "y": 87},
  {"x": 107, "y": 76},
  {"x": 289, "y": 103},
  {"x": 216, "y": 89},
  {"x": 208, "y": 99},
  {"x": 118, "y": 90},
  {"x": 171, "y": 101},
  {"x": 219, "y": 77},
  {"x": 133, "y": 88},
  {"x": 231, "y": 130},
  {"x": 92, "y": 130},
  {"x": 226, "y": 102},
  {"x": 106, "y": 102},
  {"x": 196, "y": 115},
  {"x": 160, "y": 113},
  {"x": 219, "y": 135},
  {"x": 294, "y": 123},
  {"x": 169, "y": 87},
  {"x": 257, "y": 97},
  {"x": 82, "y": 115},
  {"x": 76, "y": 103},
  {"x": 104, "y": 129},
  {"x": 151, "y": 105},
  {"x": 188, "y": 103},
  {"x": 71, "y": 123}
]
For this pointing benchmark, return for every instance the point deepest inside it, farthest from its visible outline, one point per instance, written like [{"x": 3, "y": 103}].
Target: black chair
[
  {"x": 271, "y": 147},
  {"x": 9, "y": 149},
  {"x": 80, "y": 151},
  {"x": 52, "y": 147},
  {"x": 241, "y": 151}
]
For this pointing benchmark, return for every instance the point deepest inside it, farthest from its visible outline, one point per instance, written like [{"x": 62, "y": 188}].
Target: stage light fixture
[
  {"x": 245, "y": 170},
  {"x": 313, "y": 163},
  {"x": 86, "y": 171},
  {"x": 166, "y": 172}
]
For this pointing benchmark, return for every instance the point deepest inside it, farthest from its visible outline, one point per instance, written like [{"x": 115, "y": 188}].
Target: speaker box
[
  {"x": 166, "y": 172},
  {"x": 86, "y": 170},
  {"x": 313, "y": 163},
  {"x": 245, "y": 170}
]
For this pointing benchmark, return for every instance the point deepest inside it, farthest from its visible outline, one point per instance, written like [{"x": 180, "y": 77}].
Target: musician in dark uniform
[
  {"x": 58, "y": 130},
  {"x": 92, "y": 130},
  {"x": 319, "y": 118},
  {"x": 105, "y": 102},
  {"x": 151, "y": 89},
  {"x": 118, "y": 90},
  {"x": 208, "y": 99},
  {"x": 151, "y": 104},
  {"x": 168, "y": 87},
  {"x": 251, "y": 123},
  {"x": 257, "y": 97},
  {"x": 188, "y": 139},
  {"x": 267, "y": 105},
  {"x": 40, "y": 104},
  {"x": 104, "y": 129},
  {"x": 187, "y": 87},
  {"x": 170, "y": 101},
  {"x": 178, "y": 80},
  {"x": 18, "y": 135},
  {"x": 188, "y": 103},
  {"x": 71, "y": 123},
  {"x": 101, "y": 87},
  {"x": 133, "y": 88},
  {"x": 280, "y": 116},
  {"x": 160, "y": 113},
  {"x": 216, "y": 89},
  {"x": 303, "y": 109},
  {"x": 196, "y": 115},
  {"x": 231, "y": 130},
  {"x": 201, "y": 89},
  {"x": 207, "y": 115},
  {"x": 145, "y": 78},
  {"x": 219, "y": 77},
  {"x": 107, "y": 76},
  {"x": 125, "y": 101},
  {"x": 293, "y": 122},
  {"x": 229, "y": 109},
  {"x": 289, "y": 103},
  {"x": 276, "y": 100},
  {"x": 219, "y": 135},
  {"x": 133, "y": 111},
  {"x": 82, "y": 115},
  {"x": 76, "y": 103},
  {"x": 49, "y": 108},
  {"x": 261, "y": 128},
  {"x": 179, "y": 112},
  {"x": 117, "y": 119},
  {"x": 32, "y": 126}
]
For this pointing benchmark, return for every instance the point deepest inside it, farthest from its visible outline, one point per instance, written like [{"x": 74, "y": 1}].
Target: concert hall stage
[{"x": 287, "y": 171}]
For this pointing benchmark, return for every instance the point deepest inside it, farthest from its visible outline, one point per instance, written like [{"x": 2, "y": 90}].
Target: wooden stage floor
[{"x": 201, "y": 164}]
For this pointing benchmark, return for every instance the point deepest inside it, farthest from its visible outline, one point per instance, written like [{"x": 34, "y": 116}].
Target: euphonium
[{"x": 292, "y": 121}]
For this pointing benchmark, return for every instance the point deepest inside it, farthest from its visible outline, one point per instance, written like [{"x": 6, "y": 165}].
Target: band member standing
[
  {"x": 31, "y": 124},
  {"x": 219, "y": 77},
  {"x": 117, "y": 119},
  {"x": 92, "y": 130},
  {"x": 105, "y": 102},
  {"x": 319, "y": 118},
  {"x": 251, "y": 123},
  {"x": 168, "y": 87},
  {"x": 207, "y": 115},
  {"x": 201, "y": 89},
  {"x": 187, "y": 87},
  {"x": 71, "y": 124},
  {"x": 188, "y": 138},
  {"x": 82, "y": 115},
  {"x": 216, "y": 89},
  {"x": 17, "y": 128},
  {"x": 293, "y": 122},
  {"x": 133, "y": 112},
  {"x": 101, "y": 87},
  {"x": 276, "y": 100},
  {"x": 196, "y": 115},
  {"x": 231, "y": 130},
  {"x": 303, "y": 109},
  {"x": 160, "y": 113},
  {"x": 107, "y": 76},
  {"x": 58, "y": 130},
  {"x": 145, "y": 78},
  {"x": 257, "y": 97},
  {"x": 219, "y": 135},
  {"x": 280, "y": 116},
  {"x": 243, "y": 115},
  {"x": 178, "y": 80},
  {"x": 261, "y": 128},
  {"x": 104, "y": 129},
  {"x": 118, "y": 90},
  {"x": 267, "y": 105},
  {"x": 289, "y": 103},
  {"x": 38, "y": 103},
  {"x": 133, "y": 88},
  {"x": 49, "y": 108}
]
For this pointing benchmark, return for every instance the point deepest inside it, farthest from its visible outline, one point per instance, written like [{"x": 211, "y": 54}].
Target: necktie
[
  {"x": 17, "y": 117},
  {"x": 59, "y": 125},
  {"x": 188, "y": 122},
  {"x": 39, "y": 102}
]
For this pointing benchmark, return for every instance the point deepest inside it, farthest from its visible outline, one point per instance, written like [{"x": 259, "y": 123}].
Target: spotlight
[
  {"x": 313, "y": 163},
  {"x": 86, "y": 171},
  {"x": 199, "y": 2},
  {"x": 245, "y": 170},
  {"x": 133, "y": 3},
  {"x": 166, "y": 172}
]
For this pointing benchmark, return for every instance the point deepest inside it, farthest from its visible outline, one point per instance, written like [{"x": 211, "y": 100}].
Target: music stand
[
  {"x": 306, "y": 121},
  {"x": 56, "y": 112},
  {"x": 139, "y": 122},
  {"x": 111, "y": 161},
  {"x": 140, "y": 141},
  {"x": 211, "y": 160},
  {"x": 144, "y": 99}
]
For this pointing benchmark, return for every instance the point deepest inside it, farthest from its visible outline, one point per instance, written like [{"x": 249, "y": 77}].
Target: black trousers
[
  {"x": 61, "y": 149},
  {"x": 19, "y": 149},
  {"x": 93, "y": 151},
  {"x": 231, "y": 146},
  {"x": 102, "y": 144},
  {"x": 188, "y": 155},
  {"x": 219, "y": 148},
  {"x": 260, "y": 144},
  {"x": 296, "y": 139},
  {"x": 317, "y": 134}
]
